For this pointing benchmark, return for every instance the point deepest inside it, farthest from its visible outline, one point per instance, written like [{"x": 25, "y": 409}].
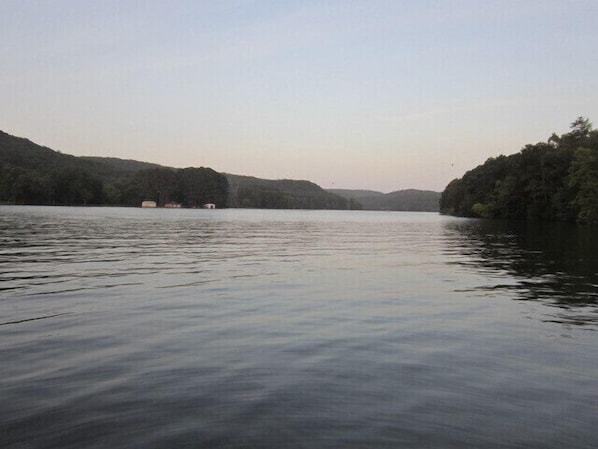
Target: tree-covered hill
[
  {"x": 355, "y": 193},
  {"x": 250, "y": 192},
  {"x": 552, "y": 180},
  {"x": 115, "y": 168},
  {"x": 33, "y": 174},
  {"x": 401, "y": 200}
]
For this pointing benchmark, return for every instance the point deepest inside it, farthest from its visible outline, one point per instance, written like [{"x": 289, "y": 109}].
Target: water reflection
[{"x": 556, "y": 263}]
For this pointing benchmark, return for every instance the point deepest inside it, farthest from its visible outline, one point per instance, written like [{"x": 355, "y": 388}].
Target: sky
[{"x": 379, "y": 95}]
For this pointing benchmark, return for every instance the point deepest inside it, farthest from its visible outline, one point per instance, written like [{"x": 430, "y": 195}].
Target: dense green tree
[
  {"x": 198, "y": 186},
  {"x": 158, "y": 184},
  {"x": 72, "y": 186},
  {"x": 190, "y": 187},
  {"x": 553, "y": 180},
  {"x": 583, "y": 178}
]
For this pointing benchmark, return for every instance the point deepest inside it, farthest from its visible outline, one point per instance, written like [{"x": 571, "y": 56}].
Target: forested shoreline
[
  {"x": 31, "y": 174},
  {"x": 556, "y": 180}
]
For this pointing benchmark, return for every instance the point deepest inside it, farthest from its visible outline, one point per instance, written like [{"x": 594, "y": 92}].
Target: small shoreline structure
[{"x": 150, "y": 204}]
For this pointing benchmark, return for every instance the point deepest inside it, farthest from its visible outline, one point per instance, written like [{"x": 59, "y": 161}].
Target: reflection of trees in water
[{"x": 556, "y": 263}]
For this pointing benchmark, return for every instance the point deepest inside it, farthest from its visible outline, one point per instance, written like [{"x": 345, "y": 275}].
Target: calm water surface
[{"x": 136, "y": 328}]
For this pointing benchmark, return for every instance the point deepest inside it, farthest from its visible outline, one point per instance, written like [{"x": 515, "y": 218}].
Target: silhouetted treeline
[
  {"x": 553, "y": 180},
  {"x": 32, "y": 174}
]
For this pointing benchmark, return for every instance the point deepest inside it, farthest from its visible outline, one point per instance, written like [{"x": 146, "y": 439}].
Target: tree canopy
[{"x": 552, "y": 180}]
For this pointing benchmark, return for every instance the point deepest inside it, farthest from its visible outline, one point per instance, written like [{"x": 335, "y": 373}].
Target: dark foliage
[
  {"x": 32, "y": 174},
  {"x": 190, "y": 187},
  {"x": 554, "y": 180}
]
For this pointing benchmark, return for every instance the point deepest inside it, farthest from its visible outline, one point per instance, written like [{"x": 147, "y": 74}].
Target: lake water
[{"x": 137, "y": 328}]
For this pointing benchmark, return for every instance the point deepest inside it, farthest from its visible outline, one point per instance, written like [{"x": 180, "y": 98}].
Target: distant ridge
[
  {"x": 357, "y": 194},
  {"x": 119, "y": 166},
  {"x": 402, "y": 200},
  {"x": 23, "y": 153},
  {"x": 252, "y": 192}
]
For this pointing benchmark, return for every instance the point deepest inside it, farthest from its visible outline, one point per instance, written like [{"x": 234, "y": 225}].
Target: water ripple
[{"x": 190, "y": 328}]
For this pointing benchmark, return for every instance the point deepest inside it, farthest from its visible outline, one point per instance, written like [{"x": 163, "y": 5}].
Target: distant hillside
[
  {"x": 355, "y": 194},
  {"x": 116, "y": 168},
  {"x": 402, "y": 200},
  {"x": 21, "y": 152},
  {"x": 34, "y": 174},
  {"x": 251, "y": 192}
]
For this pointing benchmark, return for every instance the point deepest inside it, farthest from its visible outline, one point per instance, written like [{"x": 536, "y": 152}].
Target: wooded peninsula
[{"x": 555, "y": 180}]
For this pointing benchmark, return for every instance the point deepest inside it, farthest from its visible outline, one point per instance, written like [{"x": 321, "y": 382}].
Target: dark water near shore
[{"x": 131, "y": 328}]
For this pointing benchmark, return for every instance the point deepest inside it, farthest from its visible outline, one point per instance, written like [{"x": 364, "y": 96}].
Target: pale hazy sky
[{"x": 384, "y": 95}]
